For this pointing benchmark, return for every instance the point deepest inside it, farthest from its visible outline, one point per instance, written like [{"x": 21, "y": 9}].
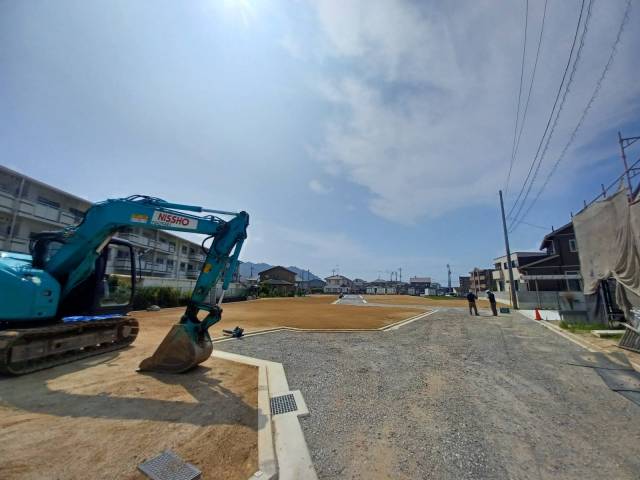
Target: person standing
[
  {"x": 492, "y": 302},
  {"x": 471, "y": 298}
]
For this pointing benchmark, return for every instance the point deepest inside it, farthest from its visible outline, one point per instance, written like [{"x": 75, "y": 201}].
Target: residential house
[
  {"x": 381, "y": 287},
  {"x": 278, "y": 280},
  {"x": 500, "y": 274},
  {"x": 558, "y": 269},
  {"x": 359, "y": 286},
  {"x": 418, "y": 285},
  {"x": 338, "y": 284}
]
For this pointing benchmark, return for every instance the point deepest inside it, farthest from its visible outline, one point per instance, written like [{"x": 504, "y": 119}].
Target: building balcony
[
  {"x": 20, "y": 245},
  {"x": 29, "y": 209}
]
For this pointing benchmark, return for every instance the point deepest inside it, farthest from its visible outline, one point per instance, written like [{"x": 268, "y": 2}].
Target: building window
[
  {"x": 170, "y": 264},
  {"x": 47, "y": 202},
  {"x": 184, "y": 249},
  {"x": 160, "y": 261},
  {"x": 122, "y": 254},
  {"x": 183, "y": 266},
  {"x": 551, "y": 249},
  {"x": 573, "y": 247},
  {"x": 513, "y": 264},
  {"x": 504, "y": 265},
  {"x": 78, "y": 214}
]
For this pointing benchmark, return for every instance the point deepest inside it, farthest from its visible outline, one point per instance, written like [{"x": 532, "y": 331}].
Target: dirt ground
[
  {"x": 313, "y": 312},
  {"x": 98, "y": 418},
  {"x": 426, "y": 301}
]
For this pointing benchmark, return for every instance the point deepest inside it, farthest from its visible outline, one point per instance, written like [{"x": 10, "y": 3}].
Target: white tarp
[{"x": 608, "y": 236}]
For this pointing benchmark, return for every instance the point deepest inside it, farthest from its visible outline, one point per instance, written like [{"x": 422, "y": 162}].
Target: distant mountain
[{"x": 249, "y": 269}]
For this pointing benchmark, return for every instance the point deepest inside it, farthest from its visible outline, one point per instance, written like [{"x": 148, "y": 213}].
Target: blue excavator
[{"x": 58, "y": 304}]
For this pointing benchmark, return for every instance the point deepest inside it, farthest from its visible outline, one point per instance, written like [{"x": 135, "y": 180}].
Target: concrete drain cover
[
  {"x": 168, "y": 466},
  {"x": 283, "y": 404}
]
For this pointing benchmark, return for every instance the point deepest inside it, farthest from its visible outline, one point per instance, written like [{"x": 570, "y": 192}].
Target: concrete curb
[
  {"x": 577, "y": 340},
  {"x": 391, "y": 326},
  {"x": 282, "y": 450}
]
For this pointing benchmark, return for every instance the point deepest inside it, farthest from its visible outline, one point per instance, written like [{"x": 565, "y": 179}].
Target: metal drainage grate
[
  {"x": 283, "y": 404},
  {"x": 168, "y": 466}
]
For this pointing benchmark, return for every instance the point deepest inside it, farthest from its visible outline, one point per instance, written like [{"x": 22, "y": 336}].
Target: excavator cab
[{"x": 103, "y": 293}]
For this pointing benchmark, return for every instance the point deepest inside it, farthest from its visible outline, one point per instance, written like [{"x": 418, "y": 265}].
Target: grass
[{"x": 582, "y": 327}]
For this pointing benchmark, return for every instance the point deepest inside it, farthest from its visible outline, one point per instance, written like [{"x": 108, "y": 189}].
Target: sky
[{"x": 362, "y": 136}]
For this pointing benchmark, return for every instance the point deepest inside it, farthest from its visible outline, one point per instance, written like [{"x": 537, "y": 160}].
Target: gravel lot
[{"x": 455, "y": 397}]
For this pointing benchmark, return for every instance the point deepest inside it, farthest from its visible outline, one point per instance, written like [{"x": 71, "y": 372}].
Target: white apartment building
[
  {"x": 28, "y": 206},
  {"x": 500, "y": 273}
]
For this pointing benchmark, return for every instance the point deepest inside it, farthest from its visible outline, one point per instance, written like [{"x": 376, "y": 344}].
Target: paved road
[
  {"x": 351, "y": 299},
  {"x": 454, "y": 397}
]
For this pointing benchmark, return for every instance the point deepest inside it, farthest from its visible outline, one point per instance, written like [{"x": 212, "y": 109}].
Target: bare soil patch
[
  {"x": 98, "y": 418},
  {"x": 312, "y": 312}
]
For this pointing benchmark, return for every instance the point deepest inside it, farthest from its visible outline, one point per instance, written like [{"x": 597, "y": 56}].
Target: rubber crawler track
[{"x": 10, "y": 338}]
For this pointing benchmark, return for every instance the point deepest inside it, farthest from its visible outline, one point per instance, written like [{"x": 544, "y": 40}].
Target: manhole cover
[
  {"x": 283, "y": 404},
  {"x": 168, "y": 466}
]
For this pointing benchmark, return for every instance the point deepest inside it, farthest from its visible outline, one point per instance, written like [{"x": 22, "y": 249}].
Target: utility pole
[
  {"x": 624, "y": 143},
  {"x": 400, "y": 268},
  {"x": 449, "y": 276},
  {"x": 514, "y": 298}
]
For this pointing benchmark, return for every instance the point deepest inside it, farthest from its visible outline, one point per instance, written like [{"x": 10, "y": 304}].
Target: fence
[
  {"x": 236, "y": 291},
  {"x": 561, "y": 301}
]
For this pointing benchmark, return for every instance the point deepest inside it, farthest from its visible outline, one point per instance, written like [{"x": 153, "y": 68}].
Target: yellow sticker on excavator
[{"x": 207, "y": 268}]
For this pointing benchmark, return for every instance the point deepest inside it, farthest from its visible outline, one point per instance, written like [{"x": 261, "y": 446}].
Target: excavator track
[{"x": 28, "y": 350}]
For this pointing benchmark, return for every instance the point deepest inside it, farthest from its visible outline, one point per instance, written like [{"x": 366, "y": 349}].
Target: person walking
[
  {"x": 471, "y": 298},
  {"x": 492, "y": 302}
]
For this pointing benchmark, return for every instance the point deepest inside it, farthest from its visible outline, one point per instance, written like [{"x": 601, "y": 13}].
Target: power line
[
  {"x": 567, "y": 90},
  {"x": 555, "y": 103},
  {"x": 524, "y": 54},
  {"x": 533, "y": 76},
  {"x": 594, "y": 95},
  {"x": 534, "y": 225}
]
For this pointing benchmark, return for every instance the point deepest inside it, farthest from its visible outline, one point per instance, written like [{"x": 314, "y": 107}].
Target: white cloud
[
  {"x": 425, "y": 109},
  {"x": 318, "y": 187}
]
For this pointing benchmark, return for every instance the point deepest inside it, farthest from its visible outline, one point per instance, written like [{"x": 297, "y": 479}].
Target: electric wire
[
  {"x": 567, "y": 90},
  {"x": 515, "y": 128},
  {"x": 533, "y": 76},
  {"x": 585, "y": 112},
  {"x": 555, "y": 103}
]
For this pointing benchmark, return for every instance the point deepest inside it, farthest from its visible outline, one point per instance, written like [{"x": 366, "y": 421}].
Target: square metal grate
[
  {"x": 283, "y": 404},
  {"x": 168, "y": 466}
]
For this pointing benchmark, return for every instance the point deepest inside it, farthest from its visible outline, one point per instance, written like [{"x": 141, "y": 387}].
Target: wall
[
  {"x": 545, "y": 300},
  {"x": 235, "y": 291}
]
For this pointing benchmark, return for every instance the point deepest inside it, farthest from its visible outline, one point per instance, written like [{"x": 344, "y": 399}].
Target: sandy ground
[
  {"x": 313, "y": 312},
  {"x": 427, "y": 302},
  {"x": 98, "y": 418}
]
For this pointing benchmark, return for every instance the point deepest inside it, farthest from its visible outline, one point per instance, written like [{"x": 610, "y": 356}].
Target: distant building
[
  {"x": 559, "y": 269},
  {"x": 382, "y": 287},
  {"x": 480, "y": 280},
  {"x": 314, "y": 284},
  {"x": 465, "y": 285},
  {"x": 278, "y": 280},
  {"x": 500, "y": 274},
  {"x": 418, "y": 285},
  {"x": 359, "y": 286},
  {"x": 338, "y": 284}
]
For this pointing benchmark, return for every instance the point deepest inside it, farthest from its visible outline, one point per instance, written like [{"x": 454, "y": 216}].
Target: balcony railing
[{"x": 39, "y": 211}]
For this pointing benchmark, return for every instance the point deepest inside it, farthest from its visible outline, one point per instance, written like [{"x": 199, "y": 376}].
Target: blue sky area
[{"x": 368, "y": 135}]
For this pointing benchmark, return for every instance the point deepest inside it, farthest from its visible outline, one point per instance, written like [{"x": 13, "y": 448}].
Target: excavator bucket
[{"x": 178, "y": 352}]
